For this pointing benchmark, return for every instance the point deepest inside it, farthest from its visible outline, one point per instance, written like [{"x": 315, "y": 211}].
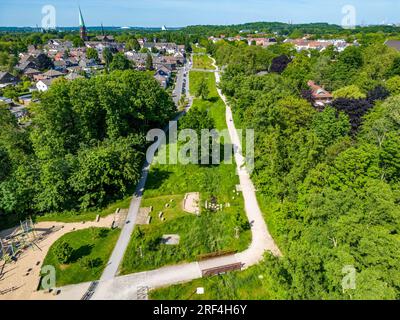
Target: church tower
[{"x": 82, "y": 27}]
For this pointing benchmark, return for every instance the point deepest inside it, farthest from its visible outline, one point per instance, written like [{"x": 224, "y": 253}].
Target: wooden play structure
[{"x": 21, "y": 238}]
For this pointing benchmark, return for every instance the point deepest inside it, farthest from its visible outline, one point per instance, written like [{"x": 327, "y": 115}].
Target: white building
[{"x": 44, "y": 85}]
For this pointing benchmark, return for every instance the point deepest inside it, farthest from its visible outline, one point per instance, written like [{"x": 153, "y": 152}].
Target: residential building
[
  {"x": 7, "y": 79},
  {"x": 44, "y": 85},
  {"x": 395, "y": 44},
  {"x": 52, "y": 74},
  {"x": 72, "y": 76},
  {"x": 162, "y": 80},
  {"x": 31, "y": 73},
  {"x": 320, "y": 97}
]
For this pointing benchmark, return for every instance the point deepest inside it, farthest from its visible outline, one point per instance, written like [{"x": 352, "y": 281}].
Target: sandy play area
[
  {"x": 20, "y": 279},
  {"x": 191, "y": 203}
]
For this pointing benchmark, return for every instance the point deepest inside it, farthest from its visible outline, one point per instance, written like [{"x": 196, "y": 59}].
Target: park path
[
  {"x": 261, "y": 238},
  {"x": 135, "y": 286}
]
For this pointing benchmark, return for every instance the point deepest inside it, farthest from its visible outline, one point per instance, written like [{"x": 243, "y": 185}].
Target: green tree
[
  {"x": 120, "y": 62},
  {"x": 107, "y": 56},
  {"x": 329, "y": 126},
  {"x": 92, "y": 53},
  {"x": 149, "y": 62},
  {"x": 296, "y": 33},
  {"x": 393, "y": 85},
  {"x": 202, "y": 89},
  {"x": 63, "y": 252},
  {"x": 132, "y": 44},
  {"x": 349, "y": 92},
  {"x": 77, "y": 42}
]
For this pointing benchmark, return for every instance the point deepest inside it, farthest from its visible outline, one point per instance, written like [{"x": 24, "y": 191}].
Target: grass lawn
[
  {"x": 202, "y": 62},
  {"x": 207, "y": 233},
  {"x": 250, "y": 284},
  {"x": 69, "y": 217},
  {"x": 86, "y": 243},
  {"x": 198, "y": 49}
]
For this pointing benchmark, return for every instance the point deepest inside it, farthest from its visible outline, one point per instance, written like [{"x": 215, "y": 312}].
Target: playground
[{"x": 23, "y": 250}]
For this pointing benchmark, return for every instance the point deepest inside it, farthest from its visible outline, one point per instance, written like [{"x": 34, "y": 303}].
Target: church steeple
[{"x": 82, "y": 27}]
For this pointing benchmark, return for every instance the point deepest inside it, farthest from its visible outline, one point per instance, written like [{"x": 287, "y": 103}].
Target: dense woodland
[
  {"x": 85, "y": 146},
  {"x": 330, "y": 179}
]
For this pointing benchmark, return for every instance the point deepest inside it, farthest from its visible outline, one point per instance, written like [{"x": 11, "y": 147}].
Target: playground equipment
[{"x": 21, "y": 238}]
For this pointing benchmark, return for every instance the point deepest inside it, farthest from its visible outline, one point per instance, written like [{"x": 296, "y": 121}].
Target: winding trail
[{"x": 131, "y": 287}]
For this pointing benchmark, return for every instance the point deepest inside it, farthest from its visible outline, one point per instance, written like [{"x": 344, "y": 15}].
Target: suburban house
[
  {"x": 73, "y": 76},
  {"x": 320, "y": 45},
  {"x": 166, "y": 61},
  {"x": 7, "y": 79},
  {"x": 163, "y": 71},
  {"x": 24, "y": 65},
  {"x": 60, "y": 65},
  {"x": 264, "y": 42},
  {"x": 44, "y": 85},
  {"x": 6, "y": 101},
  {"x": 31, "y": 73},
  {"x": 52, "y": 74},
  {"x": 139, "y": 59},
  {"x": 163, "y": 81},
  {"x": 26, "y": 99},
  {"x": 320, "y": 97},
  {"x": 395, "y": 44}
]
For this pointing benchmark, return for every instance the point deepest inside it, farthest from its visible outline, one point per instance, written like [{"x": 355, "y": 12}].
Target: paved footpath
[{"x": 131, "y": 287}]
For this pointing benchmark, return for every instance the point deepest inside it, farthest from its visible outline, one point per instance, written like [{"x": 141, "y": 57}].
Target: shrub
[
  {"x": 63, "y": 251},
  {"x": 89, "y": 263},
  {"x": 98, "y": 233}
]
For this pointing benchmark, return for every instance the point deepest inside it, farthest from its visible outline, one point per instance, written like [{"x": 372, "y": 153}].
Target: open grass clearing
[
  {"x": 95, "y": 244},
  {"x": 202, "y": 62}
]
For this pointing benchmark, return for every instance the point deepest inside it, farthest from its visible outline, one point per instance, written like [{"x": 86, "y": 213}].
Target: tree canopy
[{"x": 86, "y": 145}]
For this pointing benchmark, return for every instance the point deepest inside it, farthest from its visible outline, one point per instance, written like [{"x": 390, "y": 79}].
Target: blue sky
[{"x": 189, "y": 12}]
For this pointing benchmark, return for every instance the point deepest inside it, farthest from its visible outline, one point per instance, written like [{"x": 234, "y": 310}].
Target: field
[
  {"x": 207, "y": 233},
  {"x": 93, "y": 243},
  {"x": 202, "y": 62}
]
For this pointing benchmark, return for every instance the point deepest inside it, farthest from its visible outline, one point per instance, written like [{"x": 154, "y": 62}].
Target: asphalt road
[{"x": 182, "y": 82}]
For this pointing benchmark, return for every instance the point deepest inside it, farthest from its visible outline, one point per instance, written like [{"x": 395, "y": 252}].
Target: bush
[
  {"x": 88, "y": 263},
  {"x": 98, "y": 233},
  {"x": 63, "y": 252},
  {"x": 349, "y": 92}
]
